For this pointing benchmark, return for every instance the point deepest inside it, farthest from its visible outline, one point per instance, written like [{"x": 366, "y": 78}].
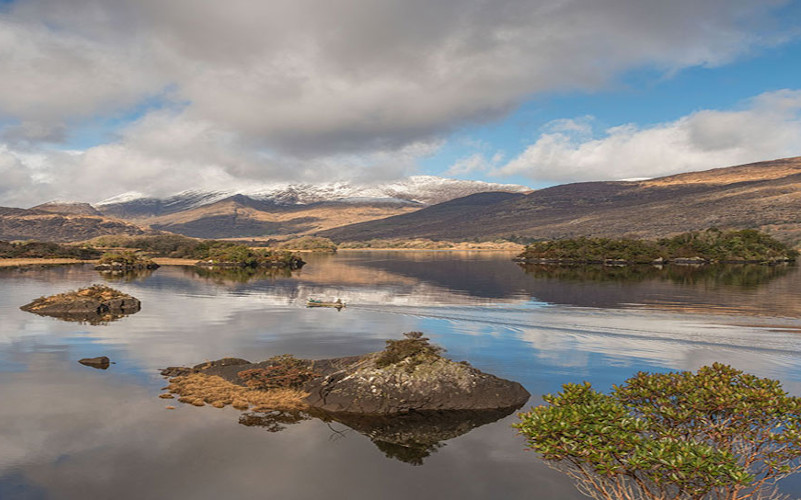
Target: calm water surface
[{"x": 69, "y": 431}]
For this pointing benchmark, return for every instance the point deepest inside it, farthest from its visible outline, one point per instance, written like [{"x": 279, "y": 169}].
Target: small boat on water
[{"x": 338, "y": 304}]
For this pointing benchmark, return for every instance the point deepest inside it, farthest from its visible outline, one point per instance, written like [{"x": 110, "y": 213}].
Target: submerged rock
[
  {"x": 100, "y": 362},
  {"x": 95, "y": 304}
]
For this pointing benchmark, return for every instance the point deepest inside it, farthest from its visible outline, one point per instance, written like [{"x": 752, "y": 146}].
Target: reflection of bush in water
[
  {"x": 737, "y": 275},
  {"x": 126, "y": 276},
  {"x": 242, "y": 274},
  {"x": 411, "y": 453},
  {"x": 274, "y": 421}
]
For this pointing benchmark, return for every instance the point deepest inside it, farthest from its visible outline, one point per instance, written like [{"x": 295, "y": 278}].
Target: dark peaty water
[{"x": 70, "y": 431}]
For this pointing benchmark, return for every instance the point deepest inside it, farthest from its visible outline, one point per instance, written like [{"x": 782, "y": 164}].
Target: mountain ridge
[{"x": 764, "y": 195}]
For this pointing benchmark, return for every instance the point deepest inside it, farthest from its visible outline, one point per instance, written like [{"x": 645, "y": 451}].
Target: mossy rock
[{"x": 95, "y": 304}]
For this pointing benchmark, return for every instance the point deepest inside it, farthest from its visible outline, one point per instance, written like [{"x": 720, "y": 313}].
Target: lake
[{"x": 71, "y": 431}]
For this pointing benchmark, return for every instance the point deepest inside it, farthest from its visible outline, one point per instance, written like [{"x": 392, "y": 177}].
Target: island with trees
[{"x": 698, "y": 247}]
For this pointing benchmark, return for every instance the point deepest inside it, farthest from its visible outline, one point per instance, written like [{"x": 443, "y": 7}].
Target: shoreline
[
  {"x": 41, "y": 261},
  {"x": 171, "y": 261}
]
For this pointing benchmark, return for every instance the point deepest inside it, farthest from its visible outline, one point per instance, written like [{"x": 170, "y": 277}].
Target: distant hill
[
  {"x": 30, "y": 224},
  {"x": 765, "y": 195},
  {"x": 240, "y": 216},
  {"x": 67, "y": 208},
  {"x": 288, "y": 209}
]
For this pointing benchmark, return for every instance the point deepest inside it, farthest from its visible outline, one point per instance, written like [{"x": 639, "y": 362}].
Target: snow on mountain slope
[{"x": 422, "y": 189}]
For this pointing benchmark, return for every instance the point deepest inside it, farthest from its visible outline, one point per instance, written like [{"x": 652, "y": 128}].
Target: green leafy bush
[{"x": 718, "y": 433}]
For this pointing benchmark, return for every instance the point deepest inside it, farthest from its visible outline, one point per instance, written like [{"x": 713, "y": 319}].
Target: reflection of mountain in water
[
  {"x": 409, "y": 438},
  {"x": 452, "y": 279}
]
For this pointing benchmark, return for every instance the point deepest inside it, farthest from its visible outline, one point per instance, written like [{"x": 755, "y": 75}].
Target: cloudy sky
[{"x": 101, "y": 97}]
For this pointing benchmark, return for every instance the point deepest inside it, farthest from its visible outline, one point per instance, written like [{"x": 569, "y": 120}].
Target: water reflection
[
  {"x": 70, "y": 432},
  {"x": 126, "y": 276},
  {"x": 224, "y": 275},
  {"x": 746, "y": 276},
  {"x": 409, "y": 438}
]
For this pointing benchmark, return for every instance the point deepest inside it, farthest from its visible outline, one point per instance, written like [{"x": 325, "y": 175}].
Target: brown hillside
[
  {"x": 764, "y": 195},
  {"x": 240, "y": 216},
  {"x": 67, "y": 208},
  {"x": 22, "y": 224}
]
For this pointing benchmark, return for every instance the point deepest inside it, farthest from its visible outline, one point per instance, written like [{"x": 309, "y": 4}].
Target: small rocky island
[
  {"x": 95, "y": 304},
  {"x": 409, "y": 375},
  {"x": 746, "y": 246},
  {"x": 407, "y": 398},
  {"x": 124, "y": 262},
  {"x": 242, "y": 256}
]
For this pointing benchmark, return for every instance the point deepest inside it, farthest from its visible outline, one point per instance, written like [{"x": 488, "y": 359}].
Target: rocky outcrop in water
[
  {"x": 363, "y": 386},
  {"x": 409, "y": 376},
  {"x": 408, "y": 399},
  {"x": 100, "y": 362},
  {"x": 95, "y": 304}
]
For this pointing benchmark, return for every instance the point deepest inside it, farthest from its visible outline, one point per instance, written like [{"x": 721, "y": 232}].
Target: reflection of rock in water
[
  {"x": 737, "y": 275},
  {"x": 241, "y": 274},
  {"x": 414, "y": 436},
  {"x": 126, "y": 276},
  {"x": 273, "y": 421},
  {"x": 409, "y": 438}
]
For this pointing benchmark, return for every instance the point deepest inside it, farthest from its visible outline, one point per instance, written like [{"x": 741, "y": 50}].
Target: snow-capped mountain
[{"x": 423, "y": 190}]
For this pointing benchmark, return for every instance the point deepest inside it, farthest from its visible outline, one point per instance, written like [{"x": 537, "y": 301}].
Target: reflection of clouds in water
[
  {"x": 565, "y": 338},
  {"x": 82, "y": 434}
]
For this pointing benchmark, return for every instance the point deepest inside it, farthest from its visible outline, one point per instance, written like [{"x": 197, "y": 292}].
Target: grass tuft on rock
[{"x": 414, "y": 349}]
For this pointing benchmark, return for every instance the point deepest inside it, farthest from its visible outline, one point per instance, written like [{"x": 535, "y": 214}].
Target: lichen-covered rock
[
  {"x": 435, "y": 385},
  {"x": 95, "y": 304},
  {"x": 409, "y": 376}
]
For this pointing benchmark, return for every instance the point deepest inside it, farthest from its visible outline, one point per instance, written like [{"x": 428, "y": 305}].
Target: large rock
[
  {"x": 435, "y": 385},
  {"x": 95, "y": 304},
  {"x": 414, "y": 379}
]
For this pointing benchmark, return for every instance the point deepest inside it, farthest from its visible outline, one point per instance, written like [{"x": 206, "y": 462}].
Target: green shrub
[
  {"x": 717, "y": 433},
  {"x": 712, "y": 245},
  {"x": 414, "y": 347},
  {"x": 317, "y": 243},
  {"x": 45, "y": 250}
]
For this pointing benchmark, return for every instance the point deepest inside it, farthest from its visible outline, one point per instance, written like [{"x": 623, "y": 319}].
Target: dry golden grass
[
  {"x": 775, "y": 169},
  {"x": 199, "y": 389},
  {"x": 169, "y": 261}
]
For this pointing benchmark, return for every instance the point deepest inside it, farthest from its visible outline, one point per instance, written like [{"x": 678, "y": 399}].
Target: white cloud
[
  {"x": 766, "y": 127},
  {"x": 308, "y": 77},
  {"x": 477, "y": 162},
  {"x": 315, "y": 88}
]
